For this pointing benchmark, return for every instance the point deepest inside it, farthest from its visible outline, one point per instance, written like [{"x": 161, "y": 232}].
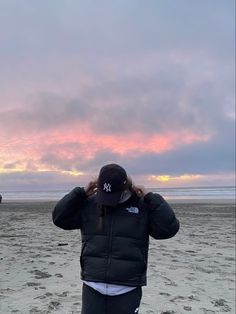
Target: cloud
[
  {"x": 183, "y": 100},
  {"x": 109, "y": 27},
  {"x": 37, "y": 181},
  {"x": 215, "y": 156},
  {"x": 144, "y": 85}
]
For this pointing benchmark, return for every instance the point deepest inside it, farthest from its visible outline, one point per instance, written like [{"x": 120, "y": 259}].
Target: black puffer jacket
[{"x": 115, "y": 249}]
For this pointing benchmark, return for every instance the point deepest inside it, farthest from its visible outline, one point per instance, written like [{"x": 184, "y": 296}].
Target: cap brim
[{"x": 108, "y": 199}]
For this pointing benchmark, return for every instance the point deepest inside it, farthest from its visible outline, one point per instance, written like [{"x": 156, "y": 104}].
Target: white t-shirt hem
[{"x": 108, "y": 289}]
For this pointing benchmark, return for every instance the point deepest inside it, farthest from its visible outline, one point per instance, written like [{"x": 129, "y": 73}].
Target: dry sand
[{"x": 194, "y": 272}]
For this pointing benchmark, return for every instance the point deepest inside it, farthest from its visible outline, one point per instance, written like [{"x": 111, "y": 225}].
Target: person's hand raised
[
  {"x": 139, "y": 190},
  {"x": 91, "y": 188}
]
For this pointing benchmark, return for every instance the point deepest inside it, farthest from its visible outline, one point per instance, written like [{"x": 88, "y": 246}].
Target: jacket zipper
[{"x": 110, "y": 244}]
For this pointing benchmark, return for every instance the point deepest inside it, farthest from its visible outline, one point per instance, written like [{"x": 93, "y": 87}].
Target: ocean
[{"x": 196, "y": 193}]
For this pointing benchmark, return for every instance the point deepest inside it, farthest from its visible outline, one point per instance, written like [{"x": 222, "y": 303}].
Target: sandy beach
[{"x": 193, "y": 272}]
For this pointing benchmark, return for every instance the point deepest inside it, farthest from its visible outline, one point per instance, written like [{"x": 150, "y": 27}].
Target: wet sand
[{"x": 194, "y": 272}]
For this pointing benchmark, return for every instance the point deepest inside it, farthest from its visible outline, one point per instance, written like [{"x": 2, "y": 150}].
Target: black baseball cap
[{"x": 112, "y": 181}]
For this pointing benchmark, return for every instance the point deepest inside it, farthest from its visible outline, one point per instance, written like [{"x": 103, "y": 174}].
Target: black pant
[{"x": 93, "y": 302}]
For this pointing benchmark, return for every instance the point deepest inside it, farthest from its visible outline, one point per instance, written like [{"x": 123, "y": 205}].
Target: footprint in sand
[
  {"x": 63, "y": 294},
  {"x": 178, "y": 297},
  {"x": 165, "y": 294},
  {"x": 169, "y": 282},
  {"x": 34, "y": 310},
  {"x": 59, "y": 275},
  {"x": 32, "y": 284},
  {"x": 54, "y": 305},
  {"x": 40, "y": 274},
  {"x": 229, "y": 259},
  {"x": 187, "y": 308},
  {"x": 222, "y": 303},
  {"x": 44, "y": 296},
  {"x": 193, "y": 298},
  {"x": 206, "y": 311}
]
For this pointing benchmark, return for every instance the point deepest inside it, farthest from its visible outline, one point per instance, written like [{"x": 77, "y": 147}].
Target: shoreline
[{"x": 169, "y": 200}]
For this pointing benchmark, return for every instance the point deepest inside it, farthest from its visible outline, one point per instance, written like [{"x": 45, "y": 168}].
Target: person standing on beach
[{"x": 116, "y": 219}]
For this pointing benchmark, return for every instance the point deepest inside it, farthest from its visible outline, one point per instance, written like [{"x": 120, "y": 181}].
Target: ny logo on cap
[{"x": 107, "y": 187}]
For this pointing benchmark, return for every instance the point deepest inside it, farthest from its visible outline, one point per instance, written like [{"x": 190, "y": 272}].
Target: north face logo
[
  {"x": 133, "y": 210},
  {"x": 107, "y": 187}
]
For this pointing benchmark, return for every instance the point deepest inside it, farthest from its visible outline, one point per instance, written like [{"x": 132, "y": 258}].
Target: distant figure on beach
[
  {"x": 0, "y": 198},
  {"x": 116, "y": 219}
]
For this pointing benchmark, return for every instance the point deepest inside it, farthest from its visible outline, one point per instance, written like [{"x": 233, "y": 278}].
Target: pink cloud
[{"x": 81, "y": 143}]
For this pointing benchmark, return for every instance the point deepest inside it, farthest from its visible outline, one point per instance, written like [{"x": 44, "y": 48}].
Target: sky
[{"x": 149, "y": 85}]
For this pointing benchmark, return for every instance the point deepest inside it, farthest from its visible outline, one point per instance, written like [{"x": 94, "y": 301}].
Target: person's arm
[
  {"x": 67, "y": 212},
  {"x": 162, "y": 221}
]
